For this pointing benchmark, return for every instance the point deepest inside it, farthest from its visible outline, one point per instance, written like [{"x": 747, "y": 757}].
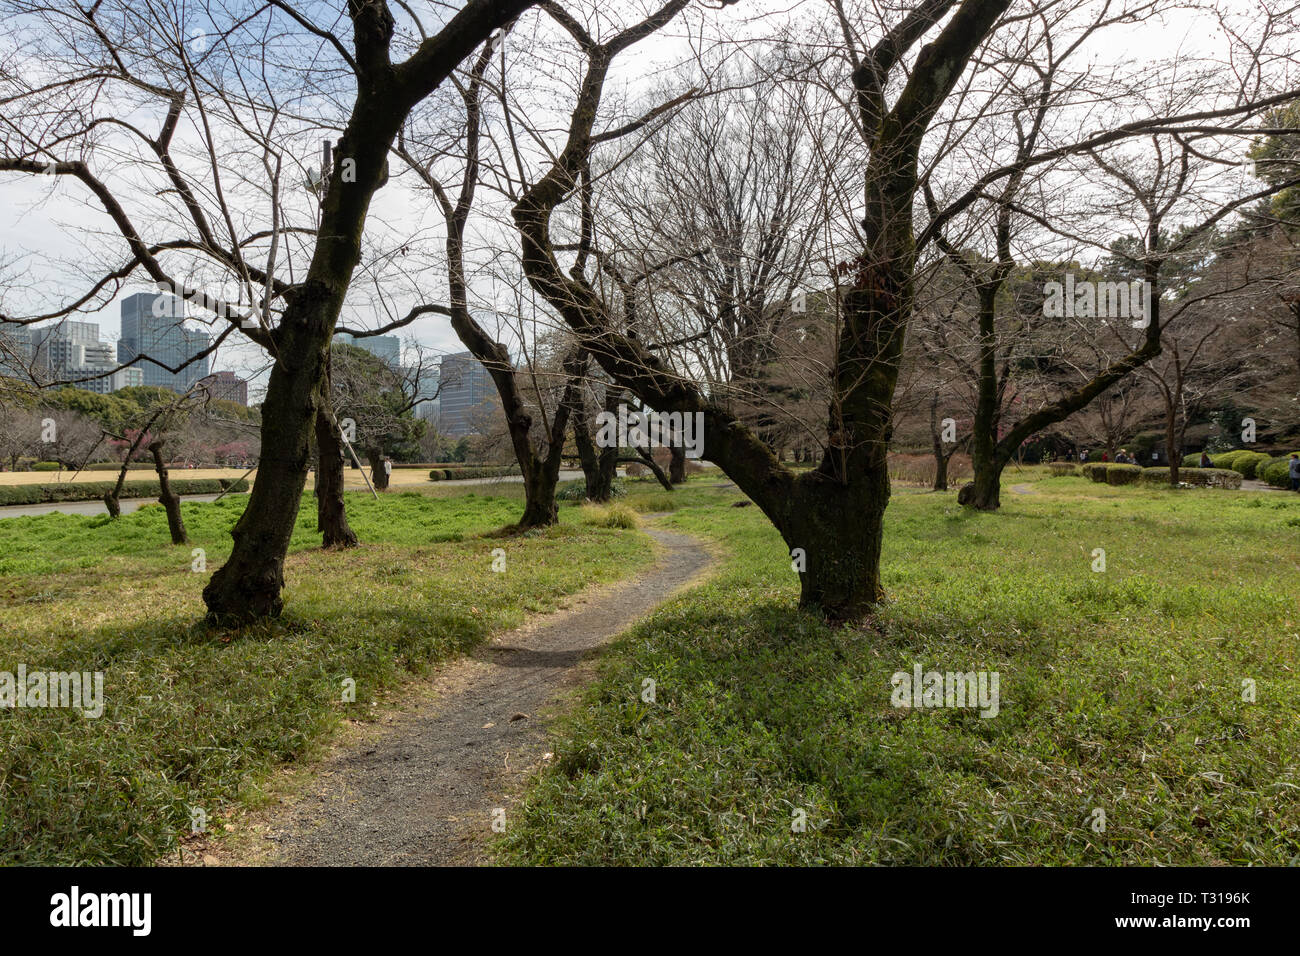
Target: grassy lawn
[
  {"x": 194, "y": 718},
  {"x": 1121, "y": 691}
]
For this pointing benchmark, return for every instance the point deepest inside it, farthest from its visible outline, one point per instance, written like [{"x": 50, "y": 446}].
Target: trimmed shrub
[
  {"x": 1246, "y": 463},
  {"x": 1228, "y": 458},
  {"x": 1193, "y": 460},
  {"x": 1096, "y": 471},
  {"x": 1275, "y": 471},
  {"x": 1123, "y": 474},
  {"x": 456, "y": 474},
  {"x": 47, "y": 466},
  {"x": 1062, "y": 468},
  {"x": 1195, "y": 477},
  {"x": 95, "y": 490}
]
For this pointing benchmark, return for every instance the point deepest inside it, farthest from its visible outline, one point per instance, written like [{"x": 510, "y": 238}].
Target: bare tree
[{"x": 234, "y": 85}]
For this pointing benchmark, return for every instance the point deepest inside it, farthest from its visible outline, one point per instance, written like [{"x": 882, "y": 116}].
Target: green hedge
[
  {"x": 1275, "y": 471},
  {"x": 95, "y": 490},
  {"x": 1246, "y": 463},
  {"x": 1096, "y": 471},
  {"x": 456, "y": 474},
  {"x": 47, "y": 466},
  {"x": 1196, "y": 477},
  {"x": 1123, "y": 474},
  {"x": 1061, "y": 468},
  {"x": 117, "y": 466}
]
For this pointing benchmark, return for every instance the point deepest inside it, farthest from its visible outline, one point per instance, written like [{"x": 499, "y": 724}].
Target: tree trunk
[
  {"x": 936, "y": 445},
  {"x": 171, "y": 501},
  {"x": 1171, "y": 445},
  {"x": 599, "y": 466},
  {"x": 331, "y": 513},
  {"x": 840, "y": 528},
  {"x": 985, "y": 492},
  {"x": 940, "y": 470},
  {"x": 677, "y": 464},
  {"x": 378, "y": 473},
  {"x": 248, "y": 585}
]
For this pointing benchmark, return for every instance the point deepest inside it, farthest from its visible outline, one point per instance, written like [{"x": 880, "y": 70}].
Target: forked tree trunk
[
  {"x": 331, "y": 512},
  {"x": 247, "y": 587},
  {"x": 170, "y": 501},
  {"x": 833, "y": 514}
]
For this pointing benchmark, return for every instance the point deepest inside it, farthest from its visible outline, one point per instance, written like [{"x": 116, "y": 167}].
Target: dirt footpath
[{"x": 422, "y": 789}]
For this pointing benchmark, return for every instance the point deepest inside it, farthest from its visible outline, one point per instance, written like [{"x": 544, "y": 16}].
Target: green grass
[
  {"x": 197, "y": 718},
  {"x": 1120, "y": 691}
]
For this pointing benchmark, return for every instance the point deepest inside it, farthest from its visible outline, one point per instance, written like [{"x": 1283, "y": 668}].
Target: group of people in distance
[{"x": 1122, "y": 457}]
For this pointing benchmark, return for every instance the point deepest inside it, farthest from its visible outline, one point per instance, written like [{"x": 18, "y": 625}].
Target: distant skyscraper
[
  {"x": 467, "y": 394},
  {"x": 386, "y": 347},
  {"x": 153, "y": 325}
]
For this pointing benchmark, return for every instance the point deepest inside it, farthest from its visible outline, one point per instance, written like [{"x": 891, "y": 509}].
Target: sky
[{"x": 44, "y": 220}]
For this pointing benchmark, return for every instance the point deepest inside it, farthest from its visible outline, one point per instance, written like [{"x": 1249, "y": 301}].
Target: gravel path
[{"x": 422, "y": 788}]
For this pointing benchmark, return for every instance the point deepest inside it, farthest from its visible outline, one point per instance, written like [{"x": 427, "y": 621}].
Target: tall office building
[
  {"x": 467, "y": 395},
  {"x": 121, "y": 378},
  {"x": 386, "y": 347},
  {"x": 16, "y": 351},
  {"x": 426, "y": 390},
  {"x": 153, "y": 325}
]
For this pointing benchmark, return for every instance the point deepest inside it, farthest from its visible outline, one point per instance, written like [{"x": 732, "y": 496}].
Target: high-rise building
[
  {"x": 426, "y": 390},
  {"x": 16, "y": 351},
  {"x": 121, "y": 378},
  {"x": 386, "y": 347},
  {"x": 228, "y": 387},
  {"x": 153, "y": 326},
  {"x": 467, "y": 396}
]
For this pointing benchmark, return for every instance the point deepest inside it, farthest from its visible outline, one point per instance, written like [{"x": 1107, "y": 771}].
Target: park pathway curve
[{"x": 423, "y": 789}]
